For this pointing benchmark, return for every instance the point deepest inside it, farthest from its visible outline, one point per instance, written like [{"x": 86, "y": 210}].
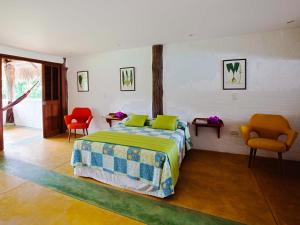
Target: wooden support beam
[{"x": 157, "y": 80}]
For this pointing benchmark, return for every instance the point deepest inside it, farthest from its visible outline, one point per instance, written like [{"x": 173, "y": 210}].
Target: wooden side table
[
  {"x": 111, "y": 117},
  {"x": 202, "y": 122}
]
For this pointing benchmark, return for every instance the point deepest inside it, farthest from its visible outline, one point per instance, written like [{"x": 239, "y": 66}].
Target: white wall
[
  {"x": 27, "y": 113},
  {"x": 193, "y": 84},
  {"x": 104, "y": 79},
  {"x": 30, "y": 54}
]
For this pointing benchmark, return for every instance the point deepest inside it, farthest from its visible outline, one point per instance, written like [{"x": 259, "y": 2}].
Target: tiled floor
[
  {"x": 26, "y": 203},
  {"x": 32, "y": 204},
  {"x": 215, "y": 183}
]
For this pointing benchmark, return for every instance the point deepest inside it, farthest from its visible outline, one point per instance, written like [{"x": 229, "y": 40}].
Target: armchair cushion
[
  {"x": 77, "y": 126},
  {"x": 267, "y": 144},
  {"x": 68, "y": 119}
]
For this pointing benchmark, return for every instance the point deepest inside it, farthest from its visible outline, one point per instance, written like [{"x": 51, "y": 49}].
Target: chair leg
[
  {"x": 75, "y": 133},
  {"x": 254, "y": 155},
  {"x": 280, "y": 162},
  {"x": 87, "y": 133},
  {"x": 83, "y": 131},
  {"x": 69, "y": 130},
  {"x": 250, "y": 157}
]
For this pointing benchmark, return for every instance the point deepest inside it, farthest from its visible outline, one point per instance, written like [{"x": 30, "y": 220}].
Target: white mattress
[{"x": 117, "y": 180}]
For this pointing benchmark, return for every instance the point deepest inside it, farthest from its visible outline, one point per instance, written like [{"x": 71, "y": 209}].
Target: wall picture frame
[
  {"x": 235, "y": 74},
  {"x": 127, "y": 79},
  {"x": 82, "y": 81}
]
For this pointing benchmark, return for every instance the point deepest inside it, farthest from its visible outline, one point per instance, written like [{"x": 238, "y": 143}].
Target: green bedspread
[{"x": 164, "y": 145}]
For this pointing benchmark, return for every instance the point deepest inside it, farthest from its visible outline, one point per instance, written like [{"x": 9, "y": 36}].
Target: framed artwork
[
  {"x": 127, "y": 79},
  {"x": 83, "y": 81},
  {"x": 234, "y": 74}
]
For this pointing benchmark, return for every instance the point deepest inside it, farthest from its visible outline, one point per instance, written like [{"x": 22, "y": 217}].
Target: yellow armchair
[{"x": 268, "y": 128}]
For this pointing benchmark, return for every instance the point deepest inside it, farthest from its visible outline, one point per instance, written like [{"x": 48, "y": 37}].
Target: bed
[{"x": 140, "y": 159}]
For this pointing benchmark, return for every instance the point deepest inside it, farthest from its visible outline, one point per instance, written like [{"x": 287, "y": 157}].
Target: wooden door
[
  {"x": 64, "y": 94},
  {"x": 52, "y": 103}
]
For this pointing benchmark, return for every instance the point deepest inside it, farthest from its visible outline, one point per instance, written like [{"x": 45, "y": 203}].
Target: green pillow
[
  {"x": 165, "y": 122},
  {"x": 136, "y": 120}
]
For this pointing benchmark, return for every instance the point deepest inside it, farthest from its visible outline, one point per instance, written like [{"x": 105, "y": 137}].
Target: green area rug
[{"x": 136, "y": 207}]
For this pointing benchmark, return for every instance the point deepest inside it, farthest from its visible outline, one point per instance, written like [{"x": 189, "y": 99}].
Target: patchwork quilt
[{"x": 140, "y": 164}]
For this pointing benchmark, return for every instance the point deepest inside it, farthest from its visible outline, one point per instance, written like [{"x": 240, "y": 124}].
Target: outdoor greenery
[{"x": 22, "y": 86}]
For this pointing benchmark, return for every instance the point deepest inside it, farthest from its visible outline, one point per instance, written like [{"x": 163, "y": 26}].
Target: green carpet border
[{"x": 133, "y": 206}]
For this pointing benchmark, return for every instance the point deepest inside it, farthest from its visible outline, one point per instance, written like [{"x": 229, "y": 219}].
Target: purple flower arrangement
[
  {"x": 120, "y": 115},
  {"x": 213, "y": 120}
]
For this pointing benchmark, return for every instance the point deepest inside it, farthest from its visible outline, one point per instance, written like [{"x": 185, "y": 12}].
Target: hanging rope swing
[{"x": 18, "y": 100}]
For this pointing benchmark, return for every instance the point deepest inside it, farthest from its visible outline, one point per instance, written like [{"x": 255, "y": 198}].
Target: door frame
[{"x": 63, "y": 82}]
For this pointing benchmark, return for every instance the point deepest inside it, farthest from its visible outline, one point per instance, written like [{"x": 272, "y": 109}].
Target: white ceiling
[{"x": 73, "y": 27}]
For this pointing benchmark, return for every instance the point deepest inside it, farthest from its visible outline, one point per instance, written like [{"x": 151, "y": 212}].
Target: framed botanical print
[
  {"x": 234, "y": 74},
  {"x": 83, "y": 81},
  {"x": 127, "y": 79}
]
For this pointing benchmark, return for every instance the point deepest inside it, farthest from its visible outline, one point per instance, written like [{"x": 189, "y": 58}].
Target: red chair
[{"x": 82, "y": 117}]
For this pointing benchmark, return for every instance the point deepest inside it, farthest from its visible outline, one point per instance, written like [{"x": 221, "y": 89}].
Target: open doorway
[
  {"x": 50, "y": 93},
  {"x": 24, "y": 121}
]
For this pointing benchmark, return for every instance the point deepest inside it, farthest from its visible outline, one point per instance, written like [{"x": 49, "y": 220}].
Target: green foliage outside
[{"x": 22, "y": 86}]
